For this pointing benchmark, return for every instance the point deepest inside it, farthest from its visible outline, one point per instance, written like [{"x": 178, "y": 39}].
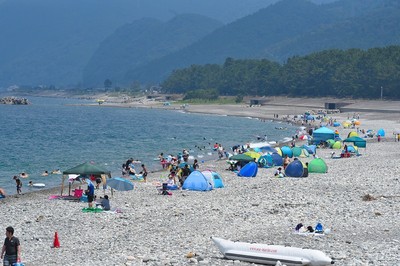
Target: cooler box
[{"x": 84, "y": 198}]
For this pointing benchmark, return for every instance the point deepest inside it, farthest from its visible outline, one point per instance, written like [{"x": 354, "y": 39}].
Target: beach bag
[{"x": 319, "y": 228}]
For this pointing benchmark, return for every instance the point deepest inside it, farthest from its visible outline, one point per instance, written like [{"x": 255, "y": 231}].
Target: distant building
[{"x": 258, "y": 101}]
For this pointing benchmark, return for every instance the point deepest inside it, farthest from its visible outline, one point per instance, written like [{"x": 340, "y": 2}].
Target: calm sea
[{"x": 53, "y": 134}]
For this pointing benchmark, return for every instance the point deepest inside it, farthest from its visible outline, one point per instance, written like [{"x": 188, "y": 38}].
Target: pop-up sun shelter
[
  {"x": 197, "y": 181},
  {"x": 317, "y": 165},
  {"x": 84, "y": 169},
  {"x": 214, "y": 178},
  {"x": 294, "y": 169},
  {"x": 322, "y": 134},
  {"x": 249, "y": 170}
]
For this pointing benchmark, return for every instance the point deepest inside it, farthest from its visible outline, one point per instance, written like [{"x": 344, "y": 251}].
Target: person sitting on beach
[
  {"x": 105, "y": 203},
  {"x": 131, "y": 169},
  {"x": 170, "y": 181},
  {"x": 279, "y": 173}
]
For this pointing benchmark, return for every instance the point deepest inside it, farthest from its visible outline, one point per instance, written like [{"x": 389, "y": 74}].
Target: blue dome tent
[
  {"x": 380, "y": 132},
  {"x": 249, "y": 170},
  {"x": 294, "y": 169},
  {"x": 277, "y": 159},
  {"x": 197, "y": 181},
  {"x": 286, "y": 150}
]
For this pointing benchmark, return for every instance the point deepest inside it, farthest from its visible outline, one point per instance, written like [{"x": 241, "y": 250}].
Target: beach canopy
[
  {"x": 84, "y": 169},
  {"x": 213, "y": 178},
  {"x": 323, "y": 134},
  {"x": 357, "y": 141},
  {"x": 317, "y": 165},
  {"x": 87, "y": 169},
  {"x": 294, "y": 169},
  {"x": 197, "y": 181},
  {"x": 249, "y": 170}
]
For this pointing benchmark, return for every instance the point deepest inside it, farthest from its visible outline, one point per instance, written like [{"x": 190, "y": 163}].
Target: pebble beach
[{"x": 358, "y": 200}]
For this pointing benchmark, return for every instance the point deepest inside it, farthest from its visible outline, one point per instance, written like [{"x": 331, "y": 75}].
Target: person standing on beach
[
  {"x": 144, "y": 172},
  {"x": 11, "y": 251},
  {"x": 90, "y": 193},
  {"x": 19, "y": 184},
  {"x": 286, "y": 161}
]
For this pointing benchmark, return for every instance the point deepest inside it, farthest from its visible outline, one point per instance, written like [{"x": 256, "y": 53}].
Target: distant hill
[
  {"x": 142, "y": 41},
  {"x": 51, "y": 41},
  {"x": 287, "y": 28}
]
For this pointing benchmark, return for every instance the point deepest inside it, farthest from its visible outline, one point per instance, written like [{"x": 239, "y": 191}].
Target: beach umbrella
[
  {"x": 119, "y": 183},
  {"x": 396, "y": 131},
  {"x": 304, "y": 137},
  {"x": 241, "y": 157}
]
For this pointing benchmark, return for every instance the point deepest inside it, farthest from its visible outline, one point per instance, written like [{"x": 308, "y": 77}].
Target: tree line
[{"x": 338, "y": 73}]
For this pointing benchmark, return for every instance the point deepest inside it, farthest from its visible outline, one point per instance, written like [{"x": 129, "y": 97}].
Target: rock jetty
[{"x": 14, "y": 100}]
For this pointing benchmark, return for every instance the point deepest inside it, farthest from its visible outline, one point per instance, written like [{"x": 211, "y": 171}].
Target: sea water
[{"x": 55, "y": 133}]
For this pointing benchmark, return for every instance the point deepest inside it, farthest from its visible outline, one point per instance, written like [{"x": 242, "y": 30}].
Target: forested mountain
[
  {"x": 337, "y": 73},
  {"x": 142, "y": 41},
  {"x": 289, "y": 27},
  {"x": 51, "y": 41}
]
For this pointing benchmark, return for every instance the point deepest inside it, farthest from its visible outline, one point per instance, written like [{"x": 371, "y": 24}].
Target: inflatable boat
[{"x": 271, "y": 254}]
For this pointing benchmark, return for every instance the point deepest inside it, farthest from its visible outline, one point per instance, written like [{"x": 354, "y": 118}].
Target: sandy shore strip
[{"x": 161, "y": 230}]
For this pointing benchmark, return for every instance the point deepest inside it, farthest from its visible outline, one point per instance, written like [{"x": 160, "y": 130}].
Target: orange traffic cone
[{"x": 56, "y": 243}]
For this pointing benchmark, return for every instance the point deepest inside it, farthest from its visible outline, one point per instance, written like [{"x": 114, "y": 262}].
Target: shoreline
[{"x": 152, "y": 229}]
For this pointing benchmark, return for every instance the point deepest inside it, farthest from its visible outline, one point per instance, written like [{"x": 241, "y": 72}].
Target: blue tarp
[
  {"x": 197, "y": 181},
  {"x": 249, "y": 170},
  {"x": 294, "y": 169}
]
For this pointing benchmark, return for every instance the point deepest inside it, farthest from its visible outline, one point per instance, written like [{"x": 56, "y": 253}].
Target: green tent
[
  {"x": 337, "y": 145},
  {"x": 84, "y": 169},
  {"x": 357, "y": 141},
  {"x": 317, "y": 165},
  {"x": 330, "y": 142}
]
